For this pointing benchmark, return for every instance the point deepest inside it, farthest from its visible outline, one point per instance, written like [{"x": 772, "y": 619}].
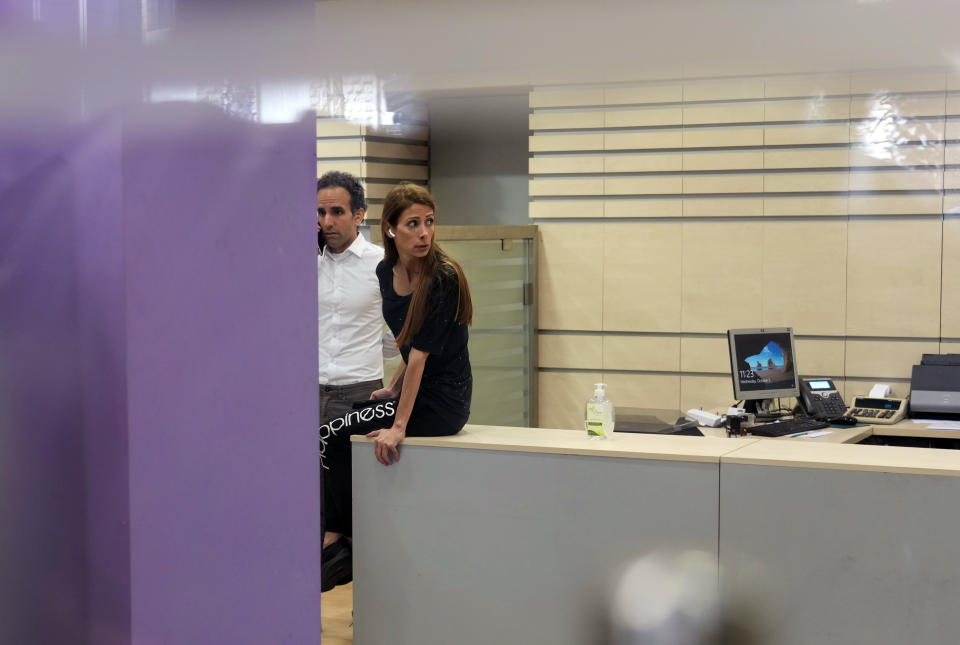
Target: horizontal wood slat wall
[
  {"x": 380, "y": 156},
  {"x": 673, "y": 211}
]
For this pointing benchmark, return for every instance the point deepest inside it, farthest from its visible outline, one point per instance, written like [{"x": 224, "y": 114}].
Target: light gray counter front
[
  {"x": 481, "y": 546},
  {"x": 515, "y": 535},
  {"x": 848, "y": 556}
]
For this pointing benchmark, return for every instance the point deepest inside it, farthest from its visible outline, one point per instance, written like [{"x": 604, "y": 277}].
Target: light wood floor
[{"x": 336, "y": 609}]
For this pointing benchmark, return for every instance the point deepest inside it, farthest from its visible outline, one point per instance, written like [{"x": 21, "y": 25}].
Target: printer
[{"x": 935, "y": 387}]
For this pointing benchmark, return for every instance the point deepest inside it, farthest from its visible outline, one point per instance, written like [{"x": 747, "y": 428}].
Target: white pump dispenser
[{"x": 599, "y": 417}]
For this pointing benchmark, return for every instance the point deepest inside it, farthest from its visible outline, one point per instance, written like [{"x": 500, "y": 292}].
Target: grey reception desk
[{"x": 514, "y": 535}]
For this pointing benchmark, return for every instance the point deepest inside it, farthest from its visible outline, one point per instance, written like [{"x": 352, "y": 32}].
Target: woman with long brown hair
[{"x": 426, "y": 304}]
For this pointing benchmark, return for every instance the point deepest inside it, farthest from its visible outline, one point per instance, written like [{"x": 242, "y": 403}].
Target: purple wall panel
[
  {"x": 42, "y": 496},
  {"x": 101, "y": 283},
  {"x": 158, "y": 470},
  {"x": 221, "y": 318}
]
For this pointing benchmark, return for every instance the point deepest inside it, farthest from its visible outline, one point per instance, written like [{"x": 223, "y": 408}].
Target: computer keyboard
[{"x": 787, "y": 426}]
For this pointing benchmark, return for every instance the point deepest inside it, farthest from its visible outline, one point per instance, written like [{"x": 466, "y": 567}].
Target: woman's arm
[
  {"x": 393, "y": 391},
  {"x": 386, "y": 441}
]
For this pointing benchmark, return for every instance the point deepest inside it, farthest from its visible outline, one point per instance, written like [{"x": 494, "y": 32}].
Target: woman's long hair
[{"x": 436, "y": 261}]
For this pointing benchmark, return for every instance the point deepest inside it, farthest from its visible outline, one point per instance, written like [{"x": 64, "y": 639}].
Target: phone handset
[{"x": 821, "y": 399}]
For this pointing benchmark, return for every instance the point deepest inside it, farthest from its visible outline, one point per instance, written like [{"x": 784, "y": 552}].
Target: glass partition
[{"x": 499, "y": 263}]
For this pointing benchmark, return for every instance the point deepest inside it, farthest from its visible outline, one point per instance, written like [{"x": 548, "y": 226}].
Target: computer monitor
[{"x": 763, "y": 364}]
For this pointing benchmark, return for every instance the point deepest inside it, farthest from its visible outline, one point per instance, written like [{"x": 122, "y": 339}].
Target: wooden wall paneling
[
  {"x": 570, "y": 292},
  {"x": 388, "y": 150},
  {"x": 885, "y": 82},
  {"x": 723, "y": 160},
  {"x": 952, "y": 106},
  {"x": 820, "y": 356},
  {"x": 951, "y": 203},
  {"x": 950, "y": 306},
  {"x": 378, "y": 189},
  {"x": 643, "y": 390},
  {"x": 951, "y": 154},
  {"x": 570, "y": 351},
  {"x": 805, "y": 206},
  {"x": 396, "y": 171},
  {"x": 566, "y": 120},
  {"x": 704, "y": 354},
  {"x": 924, "y": 154},
  {"x": 566, "y": 208},
  {"x": 653, "y": 140},
  {"x": 643, "y": 117},
  {"x": 352, "y": 166},
  {"x": 806, "y": 134},
  {"x": 563, "y": 398},
  {"x": 895, "y": 204},
  {"x": 895, "y": 261},
  {"x": 645, "y": 353},
  {"x": 565, "y": 187},
  {"x": 641, "y": 276},
  {"x": 890, "y": 129},
  {"x": 657, "y": 185},
  {"x": 884, "y": 106},
  {"x": 566, "y": 142},
  {"x": 803, "y": 264},
  {"x": 339, "y": 148},
  {"x": 733, "y": 206},
  {"x": 646, "y": 162},
  {"x": 861, "y": 387},
  {"x": 720, "y": 137},
  {"x": 719, "y": 184},
  {"x": 723, "y": 90},
  {"x": 751, "y": 112},
  {"x": 811, "y": 85},
  {"x": 403, "y": 131},
  {"x": 876, "y": 180},
  {"x": 824, "y": 109},
  {"x": 864, "y": 125},
  {"x": 707, "y": 392},
  {"x": 566, "y": 98},
  {"x": 668, "y": 93},
  {"x": 338, "y": 128},
  {"x": 887, "y": 358},
  {"x": 806, "y": 158},
  {"x": 951, "y": 179},
  {"x": 566, "y": 164},
  {"x": 718, "y": 294},
  {"x": 807, "y": 182},
  {"x": 619, "y": 208}
]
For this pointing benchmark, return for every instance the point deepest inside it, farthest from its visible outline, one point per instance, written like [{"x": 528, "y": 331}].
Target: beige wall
[
  {"x": 674, "y": 211},
  {"x": 380, "y": 156}
]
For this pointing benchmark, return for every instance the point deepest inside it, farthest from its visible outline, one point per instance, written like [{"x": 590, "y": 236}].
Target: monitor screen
[{"x": 763, "y": 363}]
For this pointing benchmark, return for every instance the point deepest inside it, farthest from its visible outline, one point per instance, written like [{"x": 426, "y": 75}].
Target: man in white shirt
[{"x": 351, "y": 330}]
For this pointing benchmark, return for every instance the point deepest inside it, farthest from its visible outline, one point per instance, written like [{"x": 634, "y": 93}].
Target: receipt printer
[{"x": 935, "y": 387}]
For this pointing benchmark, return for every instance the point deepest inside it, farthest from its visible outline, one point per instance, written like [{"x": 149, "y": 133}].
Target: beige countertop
[
  {"x": 573, "y": 442},
  {"x": 885, "y": 459},
  {"x": 836, "y": 450}
]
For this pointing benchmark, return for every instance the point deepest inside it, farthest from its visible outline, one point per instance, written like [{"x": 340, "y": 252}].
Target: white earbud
[{"x": 391, "y": 233}]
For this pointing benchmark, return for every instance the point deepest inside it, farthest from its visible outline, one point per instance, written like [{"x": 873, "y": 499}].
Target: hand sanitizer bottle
[{"x": 599, "y": 414}]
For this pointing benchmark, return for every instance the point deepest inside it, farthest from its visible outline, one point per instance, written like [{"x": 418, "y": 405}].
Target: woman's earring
[{"x": 391, "y": 233}]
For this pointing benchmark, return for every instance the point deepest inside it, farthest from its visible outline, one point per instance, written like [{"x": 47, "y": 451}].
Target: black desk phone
[{"x": 820, "y": 398}]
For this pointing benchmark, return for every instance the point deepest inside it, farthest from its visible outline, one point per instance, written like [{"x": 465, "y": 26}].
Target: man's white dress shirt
[{"x": 351, "y": 327}]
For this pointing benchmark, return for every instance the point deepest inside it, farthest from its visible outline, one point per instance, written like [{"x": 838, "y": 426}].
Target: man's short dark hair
[{"x": 337, "y": 179}]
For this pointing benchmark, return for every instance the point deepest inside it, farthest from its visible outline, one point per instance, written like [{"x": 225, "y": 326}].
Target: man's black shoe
[{"x": 336, "y": 564}]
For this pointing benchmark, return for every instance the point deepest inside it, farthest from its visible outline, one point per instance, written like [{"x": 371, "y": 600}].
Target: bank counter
[{"x": 516, "y": 535}]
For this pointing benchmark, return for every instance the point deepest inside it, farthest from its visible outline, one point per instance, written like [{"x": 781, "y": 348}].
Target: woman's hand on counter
[{"x": 386, "y": 444}]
